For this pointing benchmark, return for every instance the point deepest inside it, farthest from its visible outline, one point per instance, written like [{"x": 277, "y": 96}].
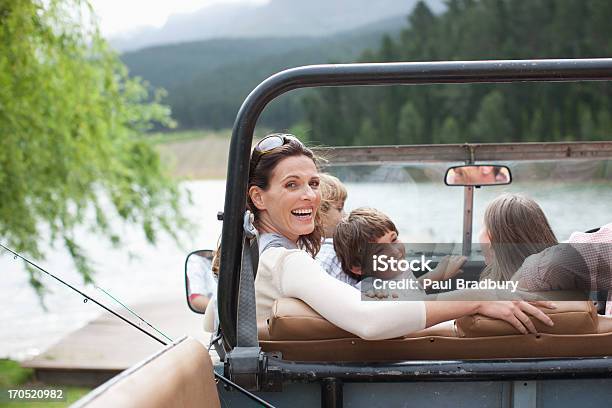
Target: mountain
[
  {"x": 169, "y": 65},
  {"x": 277, "y": 18},
  {"x": 208, "y": 80}
]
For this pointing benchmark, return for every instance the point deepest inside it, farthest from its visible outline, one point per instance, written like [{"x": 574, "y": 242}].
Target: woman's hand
[{"x": 516, "y": 313}]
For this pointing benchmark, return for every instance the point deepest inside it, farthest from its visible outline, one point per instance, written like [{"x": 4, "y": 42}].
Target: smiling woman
[
  {"x": 297, "y": 192},
  {"x": 284, "y": 181}
]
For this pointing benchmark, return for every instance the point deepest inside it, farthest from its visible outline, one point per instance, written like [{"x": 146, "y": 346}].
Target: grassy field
[
  {"x": 187, "y": 135},
  {"x": 196, "y": 154},
  {"x": 12, "y": 376}
]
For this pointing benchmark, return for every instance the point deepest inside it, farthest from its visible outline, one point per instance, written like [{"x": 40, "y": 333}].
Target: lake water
[{"x": 424, "y": 211}]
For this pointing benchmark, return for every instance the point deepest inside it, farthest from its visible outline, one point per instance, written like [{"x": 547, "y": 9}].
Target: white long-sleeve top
[{"x": 293, "y": 273}]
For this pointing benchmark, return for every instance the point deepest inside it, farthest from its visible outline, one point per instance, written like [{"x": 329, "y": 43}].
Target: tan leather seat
[
  {"x": 570, "y": 317},
  {"x": 263, "y": 332},
  {"x": 180, "y": 376},
  {"x": 301, "y": 334}
]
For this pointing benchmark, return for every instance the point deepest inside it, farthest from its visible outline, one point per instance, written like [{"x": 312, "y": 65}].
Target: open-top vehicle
[{"x": 297, "y": 358}]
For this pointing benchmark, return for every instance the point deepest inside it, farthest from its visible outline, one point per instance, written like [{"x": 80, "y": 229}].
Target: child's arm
[{"x": 448, "y": 267}]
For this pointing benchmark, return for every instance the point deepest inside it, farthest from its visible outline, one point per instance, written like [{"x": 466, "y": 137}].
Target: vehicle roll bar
[{"x": 401, "y": 73}]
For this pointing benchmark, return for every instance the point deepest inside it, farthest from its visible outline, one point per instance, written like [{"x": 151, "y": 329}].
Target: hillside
[
  {"x": 208, "y": 80},
  {"x": 168, "y": 65}
]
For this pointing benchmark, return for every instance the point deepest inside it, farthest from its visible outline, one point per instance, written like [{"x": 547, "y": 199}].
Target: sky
[{"x": 120, "y": 17}]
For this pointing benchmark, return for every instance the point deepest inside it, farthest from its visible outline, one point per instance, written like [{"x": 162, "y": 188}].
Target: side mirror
[
  {"x": 478, "y": 175},
  {"x": 200, "y": 282}
]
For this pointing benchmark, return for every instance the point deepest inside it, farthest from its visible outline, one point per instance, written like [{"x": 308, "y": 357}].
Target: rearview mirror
[
  {"x": 200, "y": 282},
  {"x": 478, "y": 175}
]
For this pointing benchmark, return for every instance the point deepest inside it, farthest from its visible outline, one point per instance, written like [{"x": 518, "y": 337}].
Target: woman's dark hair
[{"x": 260, "y": 171}]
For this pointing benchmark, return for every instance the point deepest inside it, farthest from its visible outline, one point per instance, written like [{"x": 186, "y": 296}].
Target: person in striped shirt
[{"x": 333, "y": 197}]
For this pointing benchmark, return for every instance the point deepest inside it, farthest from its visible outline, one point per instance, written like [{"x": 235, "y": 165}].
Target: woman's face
[
  {"x": 289, "y": 205},
  {"x": 485, "y": 244}
]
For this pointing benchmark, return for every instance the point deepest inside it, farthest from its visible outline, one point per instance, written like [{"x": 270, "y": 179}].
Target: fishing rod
[
  {"x": 133, "y": 312},
  {"x": 221, "y": 378},
  {"x": 86, "y": 296}
]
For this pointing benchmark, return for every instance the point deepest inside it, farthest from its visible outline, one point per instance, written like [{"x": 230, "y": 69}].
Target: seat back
[
  {"x": 301, "y": 334},
  {"x": 569, "y": 317},
  {"x": 292, "y": 319}
]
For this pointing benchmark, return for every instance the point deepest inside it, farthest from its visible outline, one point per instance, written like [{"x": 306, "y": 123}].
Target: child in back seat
[
  {"x": 333, "y": 197},
  {"x": 365, "y": 226}
]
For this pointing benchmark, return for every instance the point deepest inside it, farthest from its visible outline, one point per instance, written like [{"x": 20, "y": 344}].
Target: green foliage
[
  {"x": 449, "y": 133},
  {"x": 491, "y": 122},
  {"x": 479, "y": 30},
  {"x": 70, "y": 120},
  {"x": 12, "y": 374},
  {"x": 410, "y": 123}
]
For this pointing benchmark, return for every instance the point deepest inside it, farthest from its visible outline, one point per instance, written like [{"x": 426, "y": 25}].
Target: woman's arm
[{"x": 302, "y": 277}]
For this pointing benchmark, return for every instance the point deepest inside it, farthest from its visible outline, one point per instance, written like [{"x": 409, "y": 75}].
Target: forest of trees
[{"x": 477, "y": 30}]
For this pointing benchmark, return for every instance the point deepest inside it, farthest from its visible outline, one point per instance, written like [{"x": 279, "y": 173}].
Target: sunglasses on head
[{"x": 271, "y": 142}]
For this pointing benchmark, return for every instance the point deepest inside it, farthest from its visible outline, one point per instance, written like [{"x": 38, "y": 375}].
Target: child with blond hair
[{"x": 333, "y": 197}]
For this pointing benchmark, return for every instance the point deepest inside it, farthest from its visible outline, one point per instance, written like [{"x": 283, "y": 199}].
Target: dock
[{"x": 106, "y": 345}]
